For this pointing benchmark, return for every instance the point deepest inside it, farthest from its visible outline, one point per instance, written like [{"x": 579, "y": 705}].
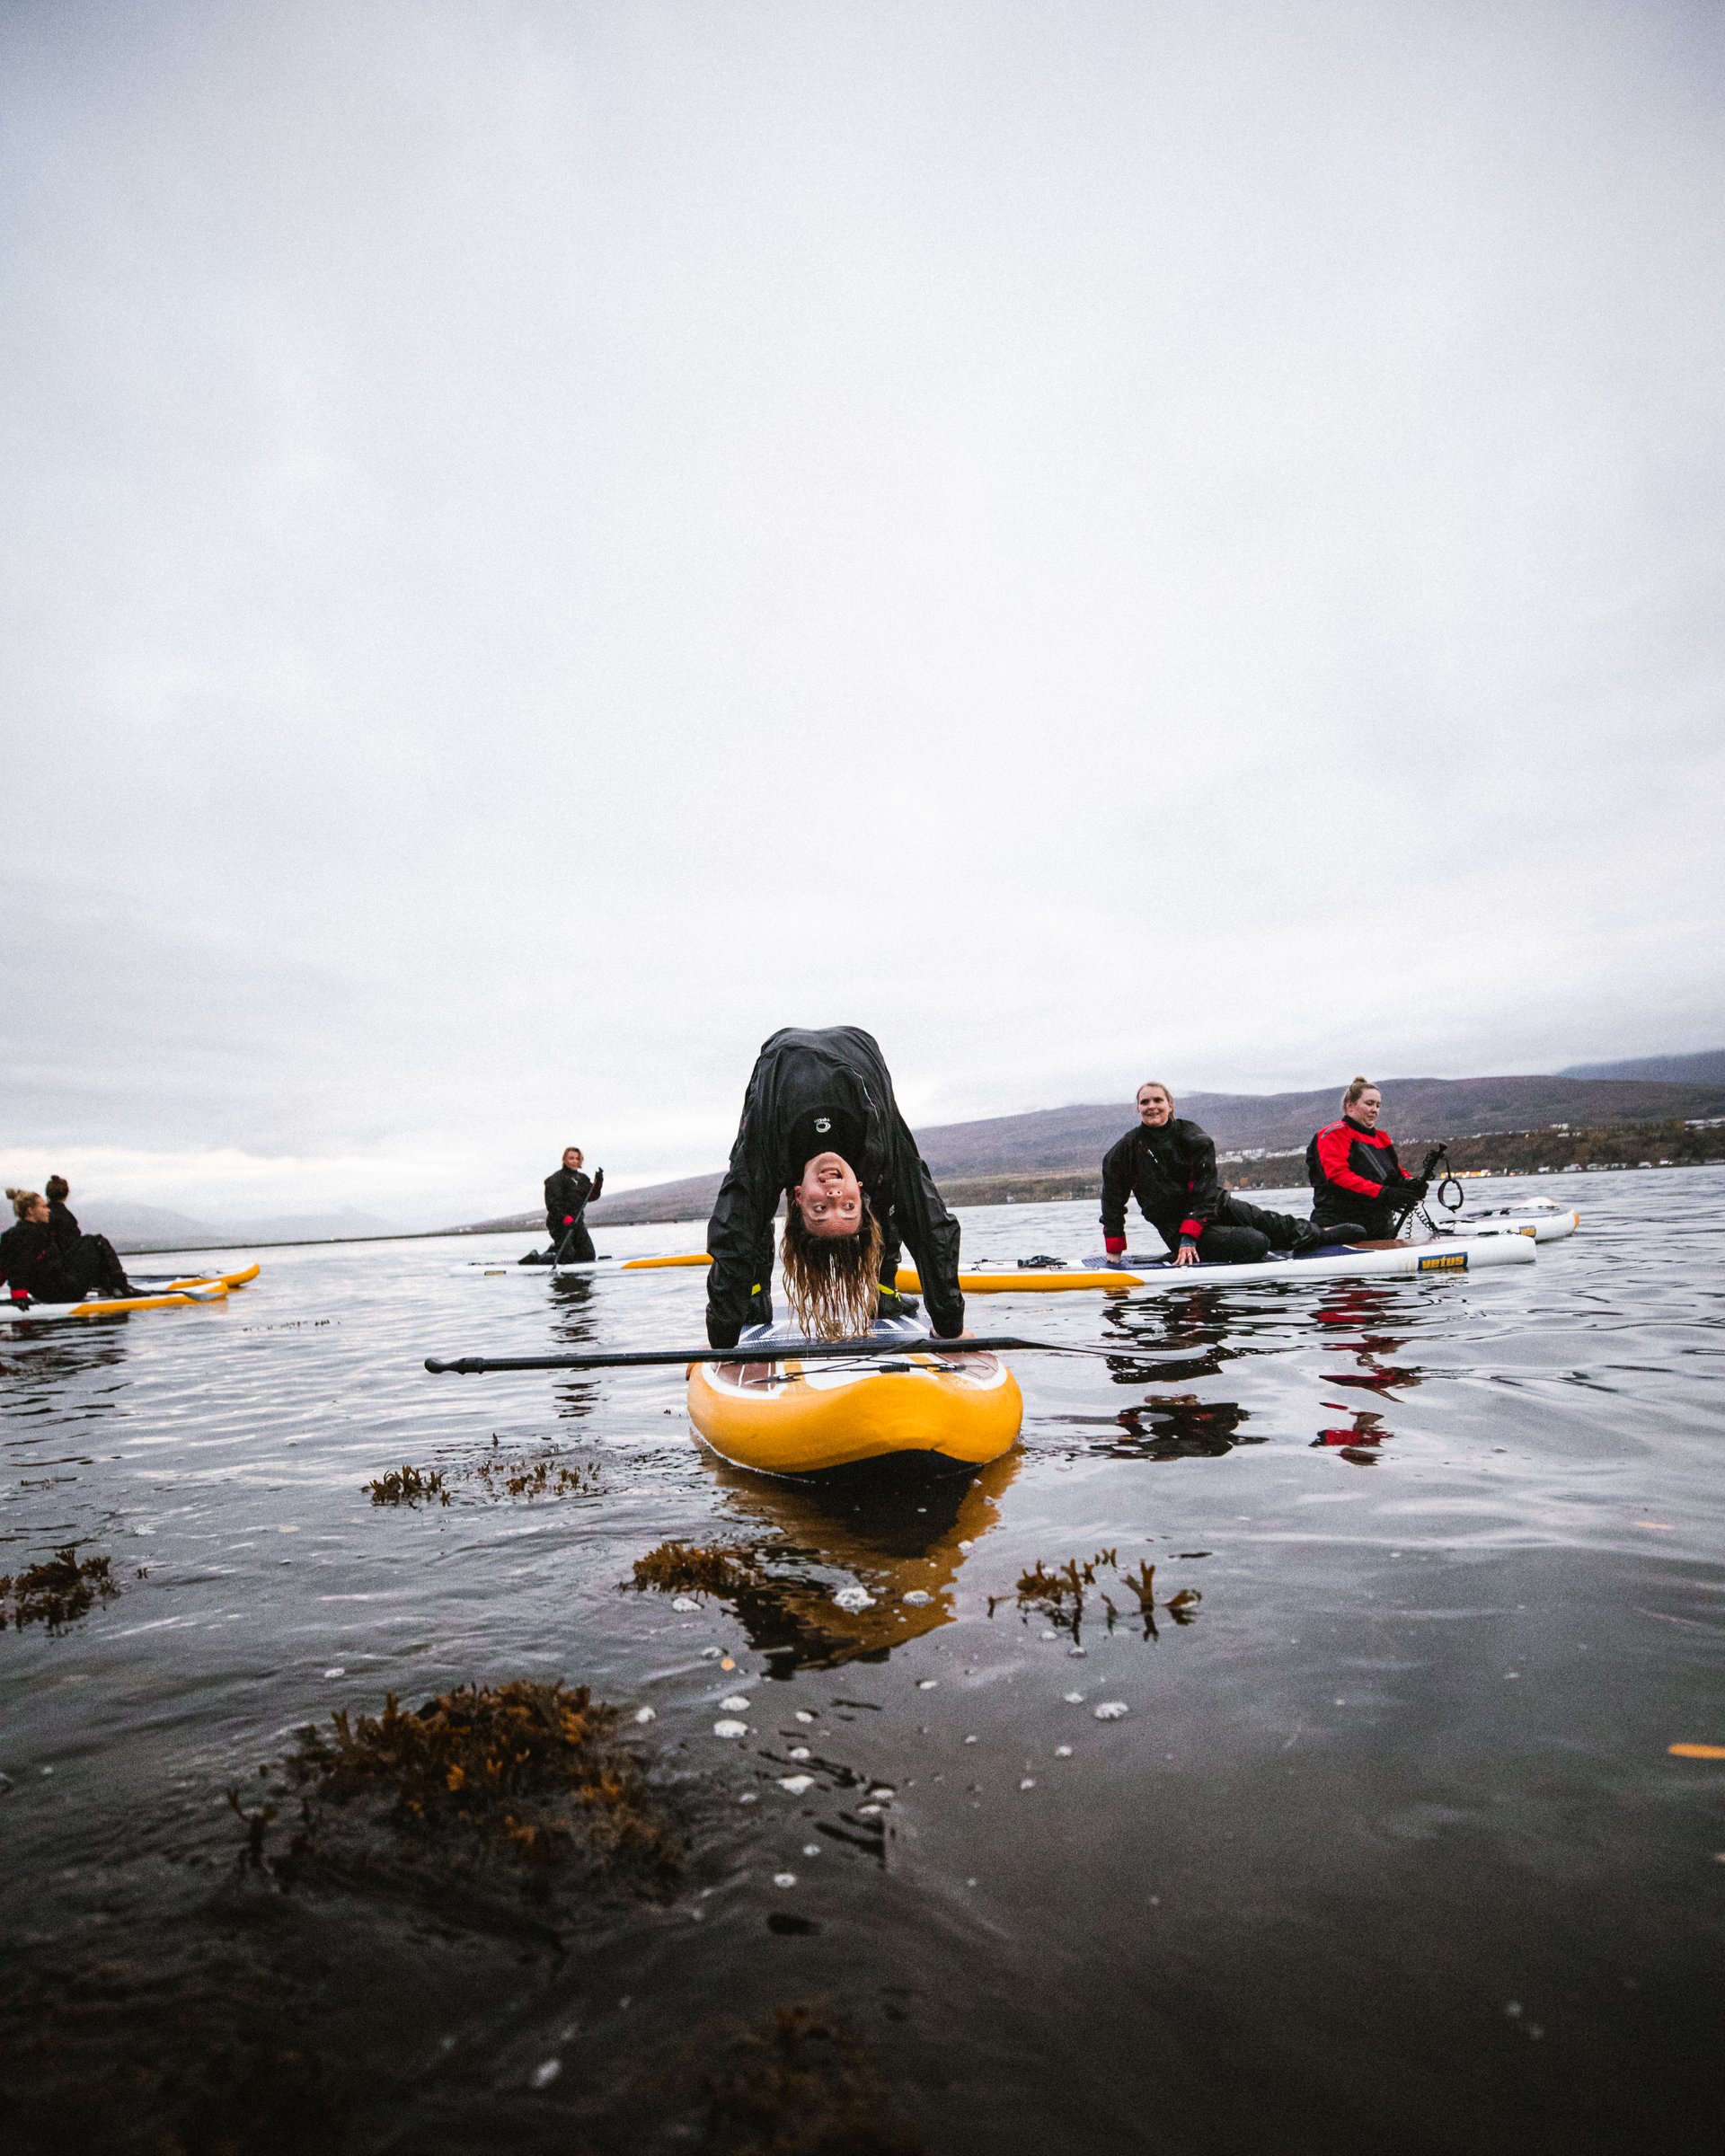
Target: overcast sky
[{"x": 544, "y": 541}]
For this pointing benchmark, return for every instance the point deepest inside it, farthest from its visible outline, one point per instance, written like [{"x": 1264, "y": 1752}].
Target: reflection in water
[
  {"x": 1181, "y": 1426},
  {"x": 1366, "y": 1310},
  {"x": 1189, "y": 1335},
  {"x": 894, "y": 1529},
  {"x": 572, "y": 1328},
  {"x": 35, "y": 1366},
  {"x": 1359, "y": 1443}
]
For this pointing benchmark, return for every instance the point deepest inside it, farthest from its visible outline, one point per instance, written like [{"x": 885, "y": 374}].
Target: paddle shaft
[{"x": 747, "y": 1351}]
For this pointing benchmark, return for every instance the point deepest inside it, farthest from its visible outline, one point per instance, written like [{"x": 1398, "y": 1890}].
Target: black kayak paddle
[{"x": 747, "y": 1351}]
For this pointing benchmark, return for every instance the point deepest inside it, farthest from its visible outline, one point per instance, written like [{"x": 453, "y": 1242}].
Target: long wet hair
[
  {"x": 831, "y": 1282},
  {"x": 23, "y": 1200},
  {"x": 1358, "y": 1086}
]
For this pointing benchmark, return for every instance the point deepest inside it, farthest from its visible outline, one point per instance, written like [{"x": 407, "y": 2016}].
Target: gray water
[{"x": 1388, "y": 1849}]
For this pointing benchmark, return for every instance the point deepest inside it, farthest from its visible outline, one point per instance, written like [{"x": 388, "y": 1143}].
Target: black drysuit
[
  {"x": 568, "y": 1194},
  {"x": 1171, "y": 1170},
  {"x": 808, "y": 1091},
  {"x": 36, "y": 1261}
]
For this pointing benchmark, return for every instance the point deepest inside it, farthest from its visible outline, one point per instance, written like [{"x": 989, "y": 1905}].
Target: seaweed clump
[
  {"x": 804, "y": 2087},
  {"x": 1059, "y": 1593},
  {"x": 67, "y": 1587},
  {"x": 406, "y": 1485},
  {"x": 534, "y": 1770},
  {"x": 688, "y": 1568},
  {"x": 543, "y": 1477}
]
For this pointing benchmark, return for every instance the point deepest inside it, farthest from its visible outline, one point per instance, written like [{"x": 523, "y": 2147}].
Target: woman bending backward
[{"x": 820, "y": 1125}]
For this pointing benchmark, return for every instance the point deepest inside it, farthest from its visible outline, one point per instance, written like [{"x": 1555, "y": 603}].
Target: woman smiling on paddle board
[
  {"x": 1352, "y": 1168},
  {"x": 820, "y": 1125}
]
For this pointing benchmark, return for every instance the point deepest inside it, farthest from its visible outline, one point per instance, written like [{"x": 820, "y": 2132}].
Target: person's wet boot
[
  {"x": 892, "y": 1305},
  {"x": 1315, "y": 1237}
]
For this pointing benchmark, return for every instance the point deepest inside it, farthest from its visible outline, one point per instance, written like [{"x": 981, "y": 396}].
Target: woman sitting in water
[
  {"x": 820, "y": 1125},
  {"x": 38, "y": 1264},
  {"x": 1169, "y": 1166},
  {"x": 1353, "y": 1170}
]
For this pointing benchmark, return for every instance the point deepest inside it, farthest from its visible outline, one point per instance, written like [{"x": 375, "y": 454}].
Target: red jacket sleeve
[{"x": 1334, "y": 1148}]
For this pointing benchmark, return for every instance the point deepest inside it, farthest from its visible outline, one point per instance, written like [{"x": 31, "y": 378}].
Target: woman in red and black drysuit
[{"x": 1353, "y": 1170}]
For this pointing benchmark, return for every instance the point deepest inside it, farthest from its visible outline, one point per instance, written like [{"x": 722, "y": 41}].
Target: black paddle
[{"x": 751, "y": 1351}]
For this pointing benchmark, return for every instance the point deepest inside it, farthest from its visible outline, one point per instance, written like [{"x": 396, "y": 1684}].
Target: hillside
[
  {"x": 1056, "y": 1143},
  {"x": 1707, "y": 1067}
]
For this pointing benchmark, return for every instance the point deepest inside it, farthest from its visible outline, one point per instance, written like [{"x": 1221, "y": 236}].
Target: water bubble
[
  {"x": 1111, "y": 1711},
  {"x": 918, "y": 1597},
  {"x": 710, "y": 1654},
  {"x": 793, "y": 1785},
  {"x": 646, "y": 1714},
  {"x": 799, "y": 1752},
  {"x": 1074, "y": 1699},
  {"x": 785, "y": 1879},
  {"x": 735, "y": 1704},
  {"x": 854, "y": 1598},
  {"x": 685, "y": 1604},
  {"x": 803, "y": 1715},
  {"x": 728, "y": 1728},
  {"x": 1063, "y": 1750},
  {"x": 926, "y": 1683},
  {"x": 811, "y": 1849},
  {"x": 544, "y": 2076},
  {"x": 1029, "y": 1783},
  {"x": 338, "y": 1672}
]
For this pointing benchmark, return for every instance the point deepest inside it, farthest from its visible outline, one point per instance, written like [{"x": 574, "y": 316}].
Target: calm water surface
[{"x": 1389, "y": 1849}]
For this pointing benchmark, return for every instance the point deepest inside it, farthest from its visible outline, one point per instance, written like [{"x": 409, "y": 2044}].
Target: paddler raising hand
[
  {"x": 821, "y": 1124},
  {"x": 569, "y": 1192}
]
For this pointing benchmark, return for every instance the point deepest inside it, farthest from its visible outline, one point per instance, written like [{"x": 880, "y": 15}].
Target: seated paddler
[
  {"x": 1352, "y": 1168},
  {"x": 40, "y": 1262},
  {"x": 820, "y": 1128},
  {"x": 1168, "y": 1163}
]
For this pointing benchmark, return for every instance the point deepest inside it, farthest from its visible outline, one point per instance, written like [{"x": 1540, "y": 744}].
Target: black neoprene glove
[{"x": 1414, "y": 1189}]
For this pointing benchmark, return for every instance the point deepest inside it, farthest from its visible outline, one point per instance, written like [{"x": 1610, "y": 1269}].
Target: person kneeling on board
[
  {"x": 820, "y": 1125},
  {"x": 1352, "y": 1168},
  {"x": 1169, "y": 1166},
  {"x": 39, "y": 1264},
  {"x": 569, "y": 1192}
]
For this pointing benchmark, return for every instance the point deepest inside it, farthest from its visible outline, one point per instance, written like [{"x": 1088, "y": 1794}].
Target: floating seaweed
[
  {"x": 804, "y": 2087},
  {"x": 688, "y": 1568},
  {"x": 1059, "y": 1593},
  {"x": 543, "y": 1476},
  {"x": 67, "y": 1587},
  {"x": 407, "y": 1485},
  {"x": 534, "y": 1770}
]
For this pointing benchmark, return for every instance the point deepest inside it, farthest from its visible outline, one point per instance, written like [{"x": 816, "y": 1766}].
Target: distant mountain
[
  {"x": 1063, "y": 1140},
  {"x": 132, "y": 1227},
  {"x": 129, "y": 1227},
  {"x": 1705, "y": 1068}
]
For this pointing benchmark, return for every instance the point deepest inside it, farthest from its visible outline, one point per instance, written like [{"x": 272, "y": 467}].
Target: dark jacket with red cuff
[
  {"x": 1170, "y": 1171},
  {"x": 29, "y": 1263},
  {"x": 569, "y": 1192},
  {"x": 1355, "y": 1176}
]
